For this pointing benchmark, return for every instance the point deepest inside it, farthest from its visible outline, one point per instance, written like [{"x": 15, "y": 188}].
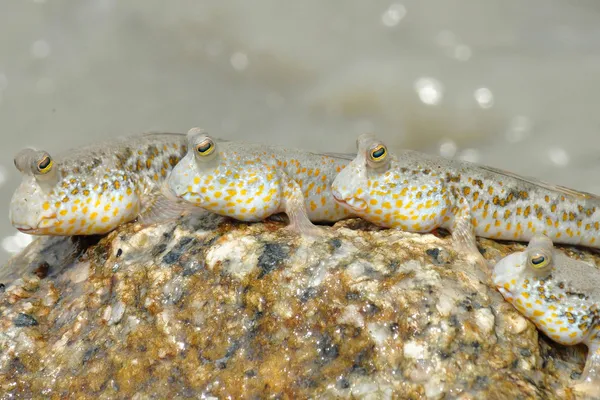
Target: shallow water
[{"x": 506, "y": 83}]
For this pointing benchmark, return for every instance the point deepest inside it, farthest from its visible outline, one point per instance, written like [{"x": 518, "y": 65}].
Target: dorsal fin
[
  {"x": 555, "y": 188},
  {"x": 343, "y": 156},
  {"x": 146, "y": 134}
]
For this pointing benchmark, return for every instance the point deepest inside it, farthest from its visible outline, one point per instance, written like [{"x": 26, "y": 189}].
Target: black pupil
[
  {"x": 203, "y": 148},
  {"x": 44, "y": 163},
  {"x": 378, "y": 153},
  {"x": 538, "y": 260}
]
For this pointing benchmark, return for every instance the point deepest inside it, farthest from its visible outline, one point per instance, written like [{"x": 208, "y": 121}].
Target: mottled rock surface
[{"x": 217, "y": 308}]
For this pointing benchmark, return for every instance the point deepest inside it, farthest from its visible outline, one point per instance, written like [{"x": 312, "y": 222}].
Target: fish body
[
  {"x": 559, "y": 295},
  {"x": 417, "y": 192},
  {"x": 92, "y": 189},
  {"x": 250, "y": 181}
]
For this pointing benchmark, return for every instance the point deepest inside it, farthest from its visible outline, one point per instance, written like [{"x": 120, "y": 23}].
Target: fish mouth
[
  {"x": 33, "y": 231},
  {"x": 191, "y": 197},
  {"x": 352, "y": 203},
  {"x": 43, "y": 226}
]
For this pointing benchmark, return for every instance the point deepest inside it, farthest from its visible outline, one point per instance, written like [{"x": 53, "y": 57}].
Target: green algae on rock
[{"x": 209, "y": 307}]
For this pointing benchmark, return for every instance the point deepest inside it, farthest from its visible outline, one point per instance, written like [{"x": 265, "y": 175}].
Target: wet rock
[
  {"x": 271, "y": 258},
  {"x": 214, "y": 308}
]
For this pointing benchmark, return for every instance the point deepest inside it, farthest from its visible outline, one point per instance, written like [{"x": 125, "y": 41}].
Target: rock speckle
[{"x": 24, "y": 320}]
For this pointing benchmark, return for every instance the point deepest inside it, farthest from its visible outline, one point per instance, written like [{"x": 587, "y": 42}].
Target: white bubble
[
  {"x": 558, "y": 156},
  {"x": 40, "y": 49},
  {"x": 17, "y": 242},
  {"x": 392, "y": 16},
  {"x": 430, "y": 90},
  {"x": 448, "y": 148},
  {"x": 484, "y": 97},
  {"x": 3, "y": 174},
  {"x": 462, "y": 52},
  {"x": 519, "y": 129},
  {"x": 470, "y": 155},
  {"x": 239, "y": 61}
]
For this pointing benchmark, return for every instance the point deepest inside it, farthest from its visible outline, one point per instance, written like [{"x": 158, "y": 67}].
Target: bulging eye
[
  {"x": 539, "y": 260},
  {"x": 45, "y": 164},
  {"x": 205, "y": 148},
  {"x": 378, "y": 153}
]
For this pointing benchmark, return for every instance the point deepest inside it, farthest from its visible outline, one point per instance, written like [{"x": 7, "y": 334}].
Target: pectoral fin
[{"x": 162, "y": 206}]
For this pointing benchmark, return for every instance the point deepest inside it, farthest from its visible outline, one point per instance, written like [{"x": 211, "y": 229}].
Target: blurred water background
[{"x": 507, "y": 83}]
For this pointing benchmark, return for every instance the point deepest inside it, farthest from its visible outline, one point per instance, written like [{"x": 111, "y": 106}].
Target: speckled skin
[
  {"x": 95, "y": 188},
  {"x": 251, "y": 182},
  {"x": 419, "y": 192},
  {"x": 560, "y": 296}
]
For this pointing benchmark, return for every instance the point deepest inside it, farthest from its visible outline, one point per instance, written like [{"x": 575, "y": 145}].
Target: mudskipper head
[
  {"x": 535, "y": 263},
  {"x": 194, "y": 178},
  {"x": 226, "y": 178},
  {"x": 85, "y": 197},
  {"x": 31, "y": 208},
  {"x": 357, "y": 186}
]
